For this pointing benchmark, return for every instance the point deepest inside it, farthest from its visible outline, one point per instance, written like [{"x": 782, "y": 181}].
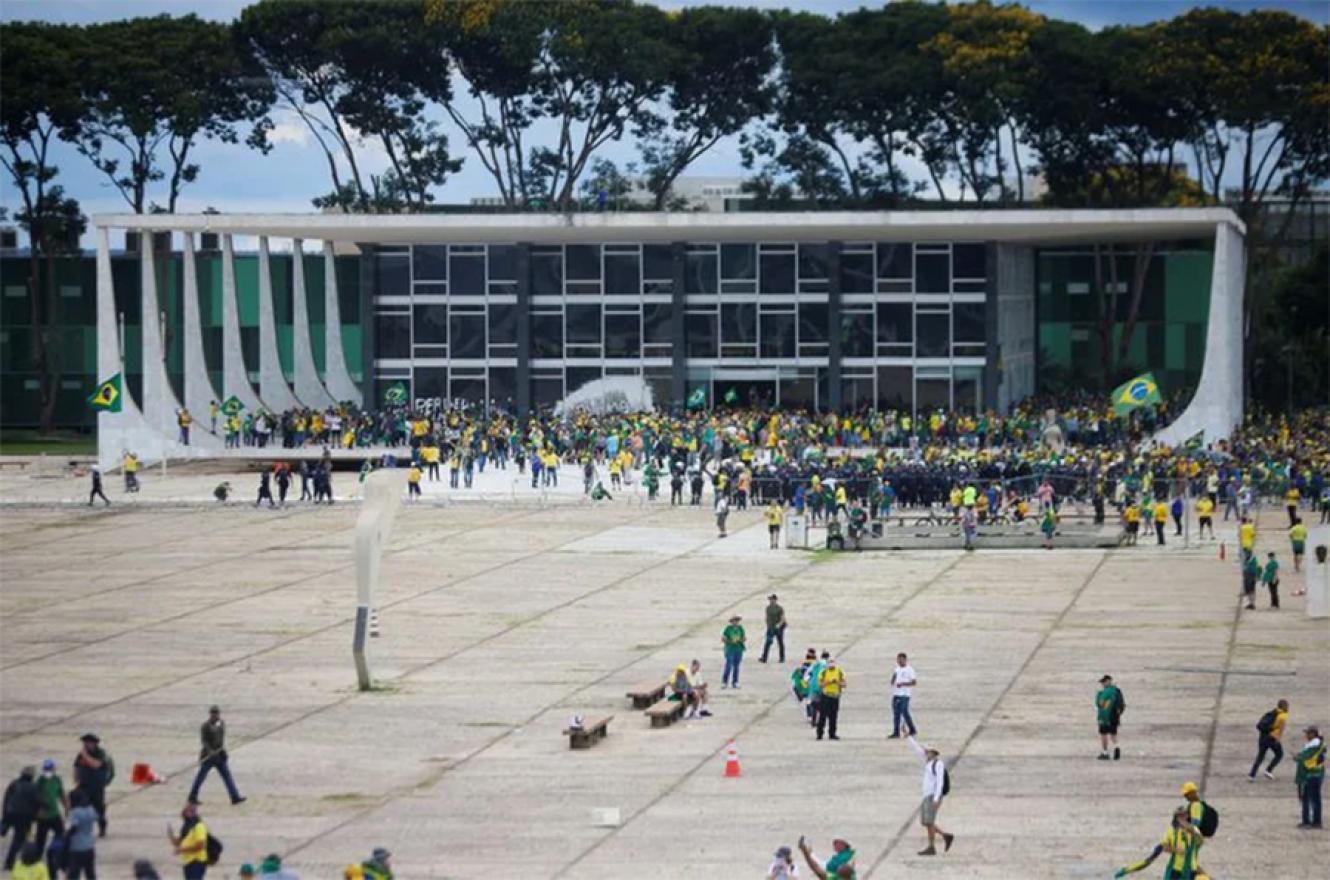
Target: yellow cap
[{"x": 1189, "y": 787}]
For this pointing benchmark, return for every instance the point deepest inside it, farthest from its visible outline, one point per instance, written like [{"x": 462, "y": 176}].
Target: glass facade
[{"x": 760, "y": 320}]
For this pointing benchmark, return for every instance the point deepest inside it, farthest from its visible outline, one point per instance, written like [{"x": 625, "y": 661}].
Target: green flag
[
  {"x": 1135, "y": 393},
  {"x": 731, "y": 396},
  {"x": 395, "y": 394},
  {"x": 698, "y": 398},
  {"x": 106, "y": 398},
  {"x": 232, "y": 405}
]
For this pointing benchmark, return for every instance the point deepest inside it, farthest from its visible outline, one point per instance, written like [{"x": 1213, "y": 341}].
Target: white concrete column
[
  {"x": 1216, "y": 407},
  {"x": 116, "y": 431},
  {"x": 336, "y": 377},
  {"x": 235, "y": 379},
  {"x": 159, "y": 401},
  {"x": 199, "y": 392},
  {"x": 272, "y": 383},
  {"x": 309, "y": 388}
]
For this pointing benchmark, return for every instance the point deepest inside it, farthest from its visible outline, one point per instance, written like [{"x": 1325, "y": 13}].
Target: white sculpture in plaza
[{"x": 381, "y": 499}]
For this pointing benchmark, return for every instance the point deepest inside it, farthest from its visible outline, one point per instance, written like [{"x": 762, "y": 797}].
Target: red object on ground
[
  {"x": 732, "y": 760},
  {"x": 143, "y": 774}
]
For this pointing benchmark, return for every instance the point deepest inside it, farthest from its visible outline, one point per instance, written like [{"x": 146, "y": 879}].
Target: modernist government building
[{"x": 910, "y": 310}]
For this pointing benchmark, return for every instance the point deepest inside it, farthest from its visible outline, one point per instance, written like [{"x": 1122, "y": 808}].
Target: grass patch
[
  {"x": 826, "y": 554},
  {"x": 18, "y": 442}
]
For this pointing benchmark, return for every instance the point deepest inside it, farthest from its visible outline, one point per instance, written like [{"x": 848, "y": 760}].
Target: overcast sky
[{"x": 234, "y": 178}]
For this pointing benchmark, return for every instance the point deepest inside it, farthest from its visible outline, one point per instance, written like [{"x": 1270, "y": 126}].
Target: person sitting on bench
[{"x": 699, "y": 688}]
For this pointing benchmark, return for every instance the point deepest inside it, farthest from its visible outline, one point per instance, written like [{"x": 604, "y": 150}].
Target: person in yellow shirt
[
  {"x": 774, "y": 517},
  {"x": 1205, "y": 509},
  {"x": 192, "y": 843},
  {"x": 1270, "y": 729},
  {"x": 1291, "y": 499},
  {"x": 429, "y": 456},
  {"x": 831, "y": 682},
  {"x": 1297, "y": 537},
  {"x": 131, "y": 469},
  {"x": 413, "y": 482},
  {"x": 1247, "y": 537},
  {"x": 1161, "y": 520},
  {"x": 1131, "y": 523}
]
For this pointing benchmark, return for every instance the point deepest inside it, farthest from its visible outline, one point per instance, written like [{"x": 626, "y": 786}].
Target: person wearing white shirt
[
  {"x": 934, "y": 789},
  {"x": 902, "y": 681}
]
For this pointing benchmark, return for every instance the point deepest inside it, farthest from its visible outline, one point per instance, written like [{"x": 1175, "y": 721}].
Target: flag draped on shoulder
[
  {"x": 1135, "y": 393},
  {"x": 106, "y": 398},
  {"x": 698, "y": 398}
]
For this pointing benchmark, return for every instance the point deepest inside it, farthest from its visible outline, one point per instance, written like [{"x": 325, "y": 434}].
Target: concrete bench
[
  {"x": 663, "y": 713},
  {"x": 587, "y": 735},
  {"x": 644, "y": 695}
]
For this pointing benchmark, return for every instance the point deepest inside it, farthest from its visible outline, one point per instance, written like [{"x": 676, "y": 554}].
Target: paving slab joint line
[
  {"x": 910, "y": 821},
  {"x": 388, "y": 797},
  {"x": 710, "y": 758}
]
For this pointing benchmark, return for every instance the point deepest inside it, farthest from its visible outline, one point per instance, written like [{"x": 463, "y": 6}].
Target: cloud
[{"x": 289, "y": 133}]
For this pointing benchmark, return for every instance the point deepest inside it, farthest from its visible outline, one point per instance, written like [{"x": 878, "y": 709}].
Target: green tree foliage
[{"x": 1291, "y": 364}]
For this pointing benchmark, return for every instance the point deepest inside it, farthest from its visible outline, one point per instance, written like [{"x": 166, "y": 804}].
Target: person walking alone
[
  {"x": 902, "y": 684},
  {"x": 1270, "y": 577},
  {"x": 96, "y": 491},
  {"x": 20, "y": 812},
  {"x": 212, "y": 756},
  {"x": 1269, "y": 729},
  {"x": 735, "y": 640},
  {"x": 934, "y": 790},
  {"x": 775, "y": 629},
  {"x": 831, "y": 681},
  {"x": 1109, "y": 706},
  {"x": 774, "y": 517}
]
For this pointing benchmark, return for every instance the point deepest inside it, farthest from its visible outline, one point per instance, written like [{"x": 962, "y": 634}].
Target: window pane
[
  {"x": 657, "y": 262},
  {"x": 738, "y": 262},
  {"x": 969, "y": 326},
  {"x": 392, "y": 336},
  {"x": 777, "y": 273},
  {"x": 778, "y": 336},
  {"x": 579, "y": 376},
  {"x": 893, "y": 260},
  {"x": 430, "y": 262},
  {"x": 966, "y": 385},
  {"x": 812, "y": 322},
  {"x": 583, "y": 262},
  {"x": 623, "y": 336},
  {"x": 503, "y": 323},
  {"x": 546, "y": 335},
  {"x": 700, "y": 276},
  {"x": 932, "y": 273},
  {"x": 394, "y": 276},
  {"x": 430, "y": 382},
  {"x": 468, "y": 274},
  {"x": 467, "y": 331},
  {"x": 546, "y": 390},
  {"x": 738, "y": 322},
  {"x": 933, "y": 394},
  {"x": 895, "y": 388},
  {"x": 934, "y": 335},
  {"x": 583, "y": 324},
  {"x": 895, "y": 322},
  {"x": 431, "y": 325},
  {"x": 813, "y": 260},
  {"x": 702, "y": 334},
  {"x": 546, "y": 274},
  {"x": 503, "y": 386},
  {"x": 856, "y": 273},
  {"x": 621, "y": 273},
  {"x": 856, "y": 334},
  {"x": 656, "y": 322},
  {"x": 503, "y": 263},
  {"x": 968, "y": 260}
]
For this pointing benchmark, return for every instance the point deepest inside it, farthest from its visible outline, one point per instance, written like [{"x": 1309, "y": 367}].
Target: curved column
[
  {"x": 235, "y": 380},
  {"x": 199, "y": 392},
  {"x": 309, "y": 388},
  {"x": 272, "y": 383},
  {"x": 336, "y": 377},
  {"x": 159, "y": 401},
  {"x": 1216, "y": 407}
]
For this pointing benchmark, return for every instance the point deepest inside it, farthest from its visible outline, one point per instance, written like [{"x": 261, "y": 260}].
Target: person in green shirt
[
  {"x": 775, "y": 629},
  {"x": 1309, "y": 776},
  {"x": 52, "y": 804},
  {"x": 1109, "y": 705},
  {"x": 1251, "y": 572},
  {"x": 733, "y": 638},
  {"x": 840, "y": 865},
  {"x": 1270, "y": 577}
]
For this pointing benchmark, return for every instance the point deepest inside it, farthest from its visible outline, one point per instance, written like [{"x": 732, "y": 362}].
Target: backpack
[
  {"x": 214, "y": 850},
  {"x": 946, "y": 782},
  {"x": 1267, "y": 722},
  {"x": 1209, "y": 823}
]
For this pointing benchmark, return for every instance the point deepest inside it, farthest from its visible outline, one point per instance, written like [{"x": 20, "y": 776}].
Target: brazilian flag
[
  {"x": 232, "y": 405},
  {"x": 395, "y": 394},
  {"x": 107, "y": 396},
  {"x": 1135, "y": 393},
  {"x": 698, "y": 398},
  {"x": 731, "y": 396}
]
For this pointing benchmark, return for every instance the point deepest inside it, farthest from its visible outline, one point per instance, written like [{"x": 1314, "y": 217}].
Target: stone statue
[{"x": 382, "y": 496}]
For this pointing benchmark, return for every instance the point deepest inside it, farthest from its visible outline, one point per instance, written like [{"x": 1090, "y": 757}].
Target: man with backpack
[
  {"x": 937, "y": 785},
  {"x": 196, "y": 847},
  {"x": 1269, "y": 729},
  {"x": 1309, "y": 776},
  {"x": 1202, "y": 818},
  {"x": 1109, "y": 706},
  {"x": 93, "y": 772}
]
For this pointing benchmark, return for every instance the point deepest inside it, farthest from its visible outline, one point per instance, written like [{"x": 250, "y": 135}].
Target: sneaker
[
  {"x": 735, "y": 685},
  {"x": 893, "y": 736},
  {"x": 1117, "y": 753},
  {"x": 1103, "y": 756},
  {"x": 833, "y": 737},
  {"x": 1269, "y": 775},
  {"x": 239, "y": 800},
  {"x": 1251, "y": 778},
  {"x": 723, "y": 685},
  {"x": 928, "y": 852},
  {"x": 705, "y": 713},
  {"x": 946, "y": 842}
]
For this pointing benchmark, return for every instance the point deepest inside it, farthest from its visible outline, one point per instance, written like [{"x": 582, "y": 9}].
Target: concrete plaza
[{"x": 503, "y": 618}]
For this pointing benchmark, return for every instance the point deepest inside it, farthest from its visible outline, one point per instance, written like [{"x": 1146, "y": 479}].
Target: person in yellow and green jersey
[
  {"x": 1181, "y": 845},
  {"x": 831, "y": 682},
  {"x": 1297, "y": 537},
  {"x": 1131, "y": 523},
  {"x": 192, "y": 842},
  {"x": 774, "y": 517},
  {"x": 1291, "y": 499},
  {"x": 735, "y": 640},
  {"x": 1310, "y": 774},
  {"x": 1205, "y": 510},
  {"x": 1160, "y": 513},
  {"x": 413, "y": 481},
  {"x": 1269, "y": 730},
  {"x": 1109, "y": 706},
  {"x": 1247, "y": 537},
  {"x": 1197, "y": 810}
]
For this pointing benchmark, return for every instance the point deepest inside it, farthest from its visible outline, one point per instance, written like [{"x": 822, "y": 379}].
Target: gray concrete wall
[{"x": 1017, "y": 332}]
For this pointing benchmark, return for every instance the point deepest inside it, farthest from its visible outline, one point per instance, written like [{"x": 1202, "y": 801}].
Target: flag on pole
[
  {"x": 232, "y": 405},
  {"x": 1135, "y": 393},
  {"x": 107, "y": 396},
  {"x": 731, "y": 396},
  {"x": 395, "y": 394},
  {"x": 698, "y": 398}
]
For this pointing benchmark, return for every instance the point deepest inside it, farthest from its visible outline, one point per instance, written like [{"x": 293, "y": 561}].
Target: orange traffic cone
[
  {"x": 143, "y": 774},
  {"x": 1221, "y": 551},
  {"x": 732, "y": 760}
]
